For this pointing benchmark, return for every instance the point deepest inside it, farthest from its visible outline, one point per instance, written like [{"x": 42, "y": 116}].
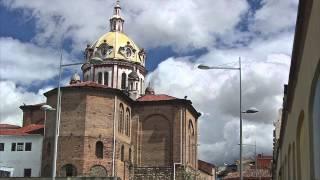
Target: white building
[{"x": 20, "y": 151}]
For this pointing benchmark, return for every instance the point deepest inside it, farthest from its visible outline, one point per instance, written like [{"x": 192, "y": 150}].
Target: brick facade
[
  {"x": 152, "y": 138},
  {"x": 32, "y": 114}
]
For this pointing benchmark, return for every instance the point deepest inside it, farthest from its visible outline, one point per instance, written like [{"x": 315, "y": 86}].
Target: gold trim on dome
[{"x": 118, "y": 46}]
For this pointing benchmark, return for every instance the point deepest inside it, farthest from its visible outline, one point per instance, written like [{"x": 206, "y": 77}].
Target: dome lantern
[{"x": 116, "y": 21}]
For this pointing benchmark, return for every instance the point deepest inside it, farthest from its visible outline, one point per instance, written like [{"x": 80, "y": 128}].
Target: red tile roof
[
  {"x": 8, "y": 126},
  {"x": 155, "y": 97},
  {"x": 250, "y": 173},
  {"x": 205, "y": 167},
  {"x": 88, "y": 84},
  {"x": 30, "y": 129},
  {"x": 12, "y": 132},
  {"x": 147, "y": 97}
]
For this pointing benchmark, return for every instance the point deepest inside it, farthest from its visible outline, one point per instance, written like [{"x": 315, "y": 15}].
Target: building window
[
  {"x": 4, "y": 173},
  {"x": 130, "y": 160},
  {"x": 123, "y": 80},
  {"x": 28, "y": 146},
  {"x": 127, "y": 124},
  {"x": 121, "y": 119},
  {"x": 20, "y": 147},
  {"x": 13, "y": 147},
  {"x": 99, "y": 149},
  {"x": 106, "y": 78},
  {"x": 100, "y": 78},
  {"x": 26, "y": 172},
  {"x": 122, "y": 153},
  {"x": 1, "y": 146},
  {"x": 141, "y": 89},
  {"x": 191, "y": 143},
  {"x": 131, "y": 86},
  {"x": 69, "y": 170}
]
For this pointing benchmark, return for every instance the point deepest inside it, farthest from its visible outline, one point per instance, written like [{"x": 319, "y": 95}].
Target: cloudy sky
[{"x": 178, "y": 35}]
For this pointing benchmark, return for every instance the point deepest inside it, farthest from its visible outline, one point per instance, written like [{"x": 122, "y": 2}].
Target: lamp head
[
  {"x": 251, "y": 110},
  {"x": 204, "y": 67},
  {"x": 47, "y": 107}
]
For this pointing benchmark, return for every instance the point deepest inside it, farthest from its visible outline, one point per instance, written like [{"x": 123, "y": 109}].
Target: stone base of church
[{"x": 163, "y": 173}]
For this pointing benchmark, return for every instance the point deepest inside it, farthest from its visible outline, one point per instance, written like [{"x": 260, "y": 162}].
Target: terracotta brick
[{"x": 87, "y": 116}]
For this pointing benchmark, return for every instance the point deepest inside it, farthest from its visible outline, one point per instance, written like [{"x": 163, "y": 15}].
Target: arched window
[
  {"x": 191, "y": 142},
  {"x": 130, "y": 160},
  {"x": 121, "y": 119},
  {"x": 98, "y": 171},
  {"x": 191, "y": 129},
  {"x": 99, "y": 149},
  {"x": 316, "y": 127},
  {"x": 100, "y": 78},
  {"x": 123, "y": 80},
  {"x": 127, "y": 122},
  {"x": 122, "y": 153},
  {"x": 106, "y": 78},
  {"x": 131, "y": 86},
  {"x": 114, "y": 26},
  {"x": 69, "y": 170},
  {"x": 141, "y": 88}
]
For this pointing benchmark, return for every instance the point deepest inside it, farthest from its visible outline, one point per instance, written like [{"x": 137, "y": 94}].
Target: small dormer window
[
  {"x": 114, "y": 26},
  {"x": 105, "y": 49},
  {"x": 128, "y": 52}
]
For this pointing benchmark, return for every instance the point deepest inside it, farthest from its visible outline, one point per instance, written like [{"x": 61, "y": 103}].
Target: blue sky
[{"x": 178, "y": 35}]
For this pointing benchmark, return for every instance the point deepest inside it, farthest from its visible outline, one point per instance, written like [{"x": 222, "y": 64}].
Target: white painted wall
[
  {"x": 20, "y": 160},
  {"x": 115, "y": 78},
  {"x": 103, "y": 70}
]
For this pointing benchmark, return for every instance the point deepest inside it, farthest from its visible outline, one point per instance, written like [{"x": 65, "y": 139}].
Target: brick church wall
[
  {"x": 155, "y": 135},
  {"x": 32, "y": 114},
  {"x": 87, "y": 117}
]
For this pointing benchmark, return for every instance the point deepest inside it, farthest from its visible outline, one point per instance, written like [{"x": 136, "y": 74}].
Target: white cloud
[
  {"x": 275, "y": 16},
  {"x": 12, "y": 97},
  {"x": 26, "y": 63},
  {"x": 216, "y": 94},
  {"x": 182, "y": 23}
]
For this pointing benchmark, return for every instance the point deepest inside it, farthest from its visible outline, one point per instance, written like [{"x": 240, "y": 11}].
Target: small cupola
[
  {"x": 133, "y": 76},
  {"x": 75, "y": 79},
  {"x": 149, "y": 90}
]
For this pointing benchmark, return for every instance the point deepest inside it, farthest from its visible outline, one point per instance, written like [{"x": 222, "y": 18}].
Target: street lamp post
[
  {"x": 58, "y": 112},
  {"x": 204, "y": 67},
  {"x": 46, "y": 108}
]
